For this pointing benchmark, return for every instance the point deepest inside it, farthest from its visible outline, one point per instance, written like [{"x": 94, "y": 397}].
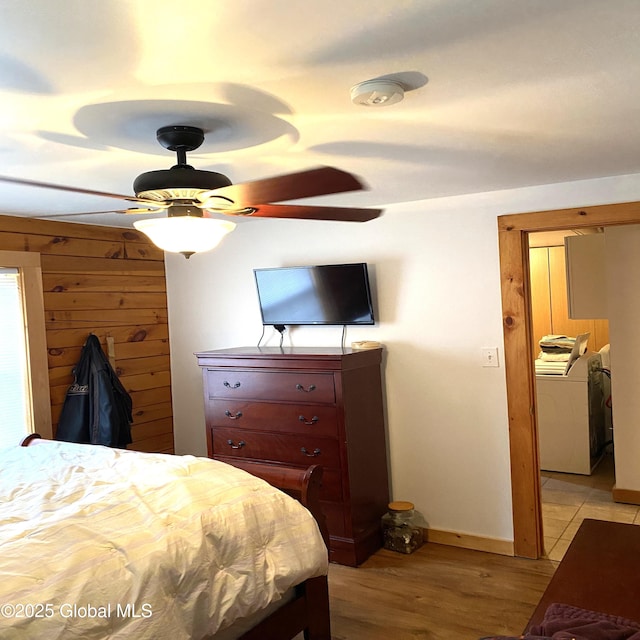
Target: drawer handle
[
  {"x": 316, "y": 452},
  {"x": 236, "y": 446},
  {"x": 233, "y": 416},
  {"x": 309, "y": 422},
  {"x": 311, "y": 387},
  {"x": 231, "y": 386}
]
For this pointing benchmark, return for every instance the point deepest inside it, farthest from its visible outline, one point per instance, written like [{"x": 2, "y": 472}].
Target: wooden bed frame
[{"x": 308, "y": 611}]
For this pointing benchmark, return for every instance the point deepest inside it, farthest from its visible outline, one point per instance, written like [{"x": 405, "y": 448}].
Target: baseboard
[
  {"x": 467, "y": 541},
  {"x": 626, "y": 496}
]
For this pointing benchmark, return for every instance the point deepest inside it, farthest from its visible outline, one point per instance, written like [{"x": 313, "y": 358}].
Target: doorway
[
  {"x": 577, "y": 471},
  {"x": 513, "y": 235}
]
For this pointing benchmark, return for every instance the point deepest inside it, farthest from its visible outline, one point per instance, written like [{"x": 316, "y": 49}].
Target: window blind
[{"x": 14, "y": 397}]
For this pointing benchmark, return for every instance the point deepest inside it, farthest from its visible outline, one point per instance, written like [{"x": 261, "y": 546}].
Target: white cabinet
[{"x": 586, "y": 281}]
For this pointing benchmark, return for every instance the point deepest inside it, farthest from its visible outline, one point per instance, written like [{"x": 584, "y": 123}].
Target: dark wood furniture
[
  {"x": 308, "y": 610},
  {"x": 291, "y": 406},
  {"x": 600, "y": 571}
]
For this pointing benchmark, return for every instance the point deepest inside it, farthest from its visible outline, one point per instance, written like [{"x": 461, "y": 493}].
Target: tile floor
[{"x": 567, "y": 499}]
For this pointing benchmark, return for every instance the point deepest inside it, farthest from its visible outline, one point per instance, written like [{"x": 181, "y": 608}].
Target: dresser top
[
  {"x": 292, "y": 355},
  {"x": 284, "y": 351}
]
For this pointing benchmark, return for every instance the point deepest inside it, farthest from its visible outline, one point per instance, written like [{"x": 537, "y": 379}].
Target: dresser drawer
[
  {"x": 271, "y": 385},
  {"x": 288, "y": 448},
  {"x": 319, "y": 420}
]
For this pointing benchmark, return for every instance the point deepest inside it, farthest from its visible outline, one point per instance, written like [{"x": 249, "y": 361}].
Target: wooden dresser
[{"x": 297, "y": 405}]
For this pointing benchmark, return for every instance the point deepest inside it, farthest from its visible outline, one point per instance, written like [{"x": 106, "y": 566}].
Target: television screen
[{"x": 325, "y": 294}]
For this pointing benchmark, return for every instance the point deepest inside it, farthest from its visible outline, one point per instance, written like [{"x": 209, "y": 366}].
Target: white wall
[
  {"x": 622, "y": 246},
  {"x": 435, "y": 271}
]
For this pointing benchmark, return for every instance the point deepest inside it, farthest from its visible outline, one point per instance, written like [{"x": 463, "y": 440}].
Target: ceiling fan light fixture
[
  {"x": 377, "y": 93},
  {"x": 185, "y": 234}
]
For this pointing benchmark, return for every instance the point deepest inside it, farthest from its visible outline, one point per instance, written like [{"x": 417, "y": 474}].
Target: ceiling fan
[{"x": 189, "y": 196}]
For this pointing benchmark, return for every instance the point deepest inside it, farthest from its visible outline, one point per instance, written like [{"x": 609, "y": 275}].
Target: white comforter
[{"x": 102, "y": 543}]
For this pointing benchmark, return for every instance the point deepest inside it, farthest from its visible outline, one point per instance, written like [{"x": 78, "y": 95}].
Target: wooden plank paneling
[
  {"x": 149, "y": 380},
  {"x": 146, "y": 349},
  {"x": 68, "y": 356},
  {"x": 135, "y": 366},
  {"x": 59, "y": 376},
  {"x": 600, "y": 334},
  {"x": 110, "y": 282},
  {"x": 131, "y": 243},
  {"x": 540, "y": 295},
  {"x": 146, "y": 430},
  {"x": 64, "y": 246},
  {"x": 16, "y": 224},
  {"x": 146, "y": 397},
  {"x": 160, "y": 444},
  {"x": 74, "y": 264},
  {"x": 105, "y": 318},
  {"x": 102, "y": 300},
  {"x": 97, "y": 282},
  {"x": 152, "y": 413},
  {"x": 137, "y": 334}
]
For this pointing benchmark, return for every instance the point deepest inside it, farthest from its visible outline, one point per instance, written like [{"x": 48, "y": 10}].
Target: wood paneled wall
[{"x": 110, "y": 282}]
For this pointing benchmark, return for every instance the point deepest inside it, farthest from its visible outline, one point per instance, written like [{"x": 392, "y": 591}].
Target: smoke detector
[{"x": 377, "y": 93}]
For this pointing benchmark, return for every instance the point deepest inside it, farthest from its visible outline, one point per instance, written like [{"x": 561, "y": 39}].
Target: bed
[{"x": 105, "y": 543}]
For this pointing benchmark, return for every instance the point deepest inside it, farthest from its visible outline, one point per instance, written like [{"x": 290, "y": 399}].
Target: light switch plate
[{"x": 490, "y": 357}]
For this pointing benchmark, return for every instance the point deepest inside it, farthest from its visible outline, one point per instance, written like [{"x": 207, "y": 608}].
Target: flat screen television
[{"x": 333, "y": 294}]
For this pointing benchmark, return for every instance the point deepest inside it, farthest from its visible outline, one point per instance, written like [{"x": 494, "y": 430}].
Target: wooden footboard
[
  {"x": 30, "y": 439},
  {"x": 302, "y": 484},
  {"x": 308, "y": 611}
]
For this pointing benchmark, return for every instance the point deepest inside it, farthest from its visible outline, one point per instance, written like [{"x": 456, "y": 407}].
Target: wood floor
[
  {"x": 446, "y": 593},
  {"x": 442, "y": 592},
  {"x": 437, "y": 593}
]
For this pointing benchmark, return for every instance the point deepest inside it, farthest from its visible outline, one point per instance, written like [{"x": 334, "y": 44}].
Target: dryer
[{"x": 571, "y": 417}]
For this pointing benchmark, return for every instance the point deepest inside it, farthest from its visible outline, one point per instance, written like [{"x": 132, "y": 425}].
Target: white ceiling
[{"x": 502, "y": 93}]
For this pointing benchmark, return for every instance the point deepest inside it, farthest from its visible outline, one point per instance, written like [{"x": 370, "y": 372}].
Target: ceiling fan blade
[
  {"x": 53, "y": 216},
  {"x": 303, "y": 184},
  {"x": 89, "y": 192},
  {"x": 135, "y": 211},
  {"x": 132, "y": 211},
  {"x": 303, "y": 212}
]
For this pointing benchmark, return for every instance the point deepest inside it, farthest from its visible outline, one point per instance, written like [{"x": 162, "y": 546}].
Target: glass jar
[{"x": 399, "y": 529}]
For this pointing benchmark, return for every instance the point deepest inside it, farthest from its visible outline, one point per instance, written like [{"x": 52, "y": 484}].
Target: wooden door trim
[{"x": 513, "y": 236}]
